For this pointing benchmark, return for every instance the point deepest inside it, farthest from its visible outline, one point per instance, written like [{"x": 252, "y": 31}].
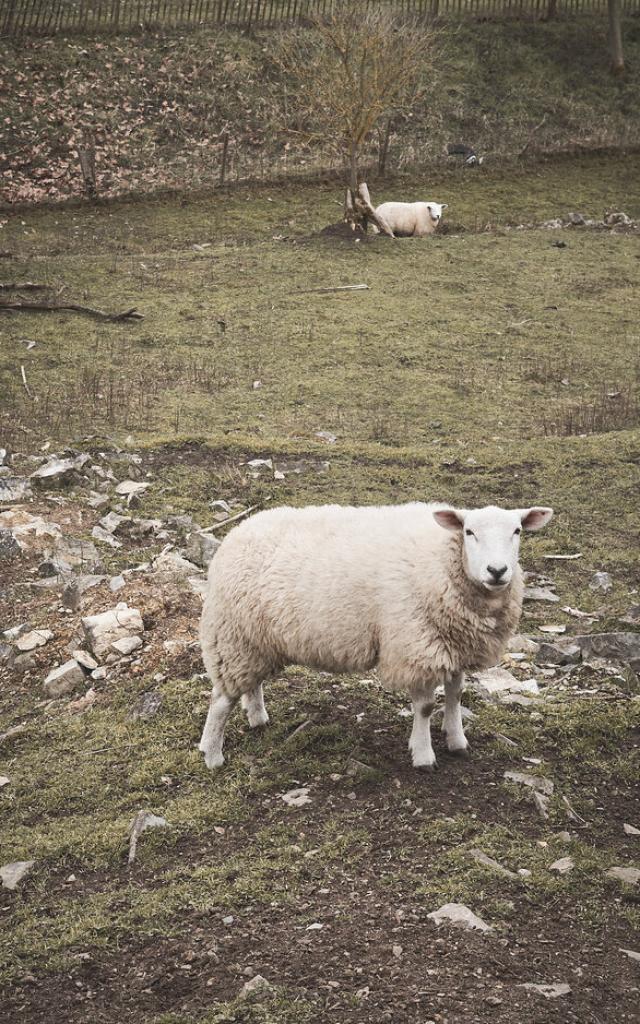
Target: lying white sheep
[
  {"x": 346, "y": 589},
  {"x": 418, "y": 219}
]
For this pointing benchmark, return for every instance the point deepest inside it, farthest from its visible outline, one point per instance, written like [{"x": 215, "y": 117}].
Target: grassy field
[{"x": 483, "y": 365}]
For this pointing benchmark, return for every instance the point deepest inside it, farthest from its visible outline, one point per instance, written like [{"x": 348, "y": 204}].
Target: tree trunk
[
  {"x": 353, "y": 168},
  {"x": 615, "y": 38},
  {"x": 358, "y": 211}
]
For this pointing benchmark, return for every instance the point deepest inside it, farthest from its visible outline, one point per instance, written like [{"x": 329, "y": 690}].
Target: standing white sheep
[
  {"x": 423, "y": 592},
  {"x": 417, "y": 219}
]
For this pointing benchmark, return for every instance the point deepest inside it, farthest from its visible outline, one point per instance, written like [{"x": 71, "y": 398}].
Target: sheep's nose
[{"x": 496, "y": 573}]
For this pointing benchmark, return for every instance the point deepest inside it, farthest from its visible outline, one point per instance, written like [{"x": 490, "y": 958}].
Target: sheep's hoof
[
  {"x": 258, "y": 723},
  {"x": 426, "y": 767},
  {"x": 213, "y": 760},
  {"x": 458, "y": 752}
]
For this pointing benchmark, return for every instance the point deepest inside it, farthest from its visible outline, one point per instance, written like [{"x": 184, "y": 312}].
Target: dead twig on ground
[
  {"x": 338, "y": 288},
  {"x": 23, "y": 286},
  {"x": 26, "y": 386},
  {"x": 99, "y": 314}
]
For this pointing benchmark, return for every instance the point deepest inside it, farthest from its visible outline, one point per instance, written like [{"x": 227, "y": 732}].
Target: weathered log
[{"x": 359, "y": 211}]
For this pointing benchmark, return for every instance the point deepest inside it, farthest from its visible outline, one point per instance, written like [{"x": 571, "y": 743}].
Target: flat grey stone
[
  {"x": 536, "y": 782},
  {"x": 459, "y": 916},
  {"x": 489, "y": 862},
  {"x": 101, "y": 630},
  {"x": 630, "y": 876},
  {"x": 552, "y": 991},
  {"x": 64, "y": 679},
  {"x": 13, "y": 873},
  {"x": 540, "y": 594}
]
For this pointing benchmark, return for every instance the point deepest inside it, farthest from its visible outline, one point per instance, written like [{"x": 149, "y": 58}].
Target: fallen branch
[
  {"x": 339, "y": 288},
  {"x": 99, "y": 314},
  {"x": 26, "y": 386},
  {"x": 231, "y": 519},
  {"x": 23, "y": 286},
  {"x": 535, "y": 129}
]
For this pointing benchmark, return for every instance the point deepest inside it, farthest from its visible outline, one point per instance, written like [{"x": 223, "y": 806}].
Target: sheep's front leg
[
  {"x": 457, "y": 742},
  {"x": 420, "y": 741},
  {"x": 213, "y": 733},
  {"x": 253, "y": 704}
]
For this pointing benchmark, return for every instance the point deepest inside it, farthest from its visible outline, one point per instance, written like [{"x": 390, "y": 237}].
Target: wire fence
[{"x": 49, "y": 17}]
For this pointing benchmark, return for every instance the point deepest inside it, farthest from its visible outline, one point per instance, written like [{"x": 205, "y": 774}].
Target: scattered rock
[
  {"x": 459, "y": 916},
  {"x": 631, "y": 953},
  {"x": 566, "y": 653},
  {"x": 489, "y": 862},
  {"x": 59, "y": 472},
  {"x": 149, "y": 705},
  {"x": 601, "y": 581},
  {"x": 201, "y": 547},
  {"x": 630, "y": 876},
  {"x": 536, "y": 782},
  {"x": 522, "y": 645},
  {"x": 75, "y": 588},
  {"x": 142, "y": 821},
  {"x": 14, "y": 488},
  {"x": 563, "y": 866},
  {"x": 614, "y": 218},
  {"x": 552, "y": 991},
  {"x": 10, "y": 550},
  {"x": 540, "y": 594},
  {"x": 127, "y": 645},
  {"x": 64, "y": 679},
  {"x": 621, "y": 647},
  {"x": 104, "y": 537},
  {"x": 34, "y": 535},
  {"x": 101, "y": 630},
  {"x": 631, "y": 830},
  {"x": 500, "y": 682},
  {"x": 114, "y": 523},
  {"x": 116, "y": 583},
  {"x": 85, "y": 660},
  {"x": 35, "y": 638},
  {"x": 13, "y": 873},
  {"x": 296, "y": 797},
  {"x": 131, "y": 489},
  {"x": 4, "y": 781},
  {"x": 171, "y": 563},
  {"x": 255, "y": 988}
]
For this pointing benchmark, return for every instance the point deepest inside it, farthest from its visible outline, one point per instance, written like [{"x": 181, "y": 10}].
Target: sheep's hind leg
[
  {"x": 457, "y": 742},
  {"x": 213, "y": 733},
  {"x": 253, "y": 704},
  {"x": 420, "y": 741}
]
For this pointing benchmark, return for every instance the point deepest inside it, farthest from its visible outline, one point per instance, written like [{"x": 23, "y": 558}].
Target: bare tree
[
  {"x": 359, "y": 67},
  {"x": 615, "y": 37}
]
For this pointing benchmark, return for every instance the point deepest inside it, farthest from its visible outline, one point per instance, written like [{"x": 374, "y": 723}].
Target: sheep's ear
[
  {"x": 449, "y": 518},
  {"x": 445, "y": 206},
  {"x": 535, "y": 518}
]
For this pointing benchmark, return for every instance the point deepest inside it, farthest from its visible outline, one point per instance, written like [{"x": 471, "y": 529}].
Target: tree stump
[{"x": 358, "y": 211}]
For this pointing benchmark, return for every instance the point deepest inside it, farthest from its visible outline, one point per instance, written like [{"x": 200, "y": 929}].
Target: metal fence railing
[{"x": 48, "y": 17}]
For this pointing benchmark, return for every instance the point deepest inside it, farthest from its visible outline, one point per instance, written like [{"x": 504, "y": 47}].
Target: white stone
[
  {"x": 171, "y": 563},
  {"x": 201, "y": 547},
  {"x": 34, "y": 535},
  {"x": 85, "y": 659},
  {"x": 127, "y": 644},
  {"x": 498, "y": 681},
  {"x": 101, "y": 630},
  {"x": 116, "y": 583},
  {"x": 296, "y": 797},
  {"x": 64, "y": 679},
  {"x": 4, "y": 781},
  {"x": 630, "y": 876},
  {"x": 459, "y": 916},
  {"x": 256, "y": 986},
  {"x": 522, "y": 644},
  {"x": 104, "y": 537},
  {"x": 552, "y": 991},
  {"x": 540, "y": 594},
  {"x": 13, "y": 873},
  {"x": 112, "y": 522},
  {"x": 563, "y": 866},
  {"x": 631, "y": 830},
  {"x": 35, "y": 638},
  {"x": 537, "y": 782},
  {"x": 130, "y": 487}
]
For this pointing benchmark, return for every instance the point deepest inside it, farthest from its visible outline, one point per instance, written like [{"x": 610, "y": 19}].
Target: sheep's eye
[
  {"x": 516, "y": 532},
  {"x": 469, "y": 533}
]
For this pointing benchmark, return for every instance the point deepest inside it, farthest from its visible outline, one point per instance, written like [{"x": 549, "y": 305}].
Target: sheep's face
[
  {"x": 435, "y": 212},
  {"x": 491, "y": 540}
]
